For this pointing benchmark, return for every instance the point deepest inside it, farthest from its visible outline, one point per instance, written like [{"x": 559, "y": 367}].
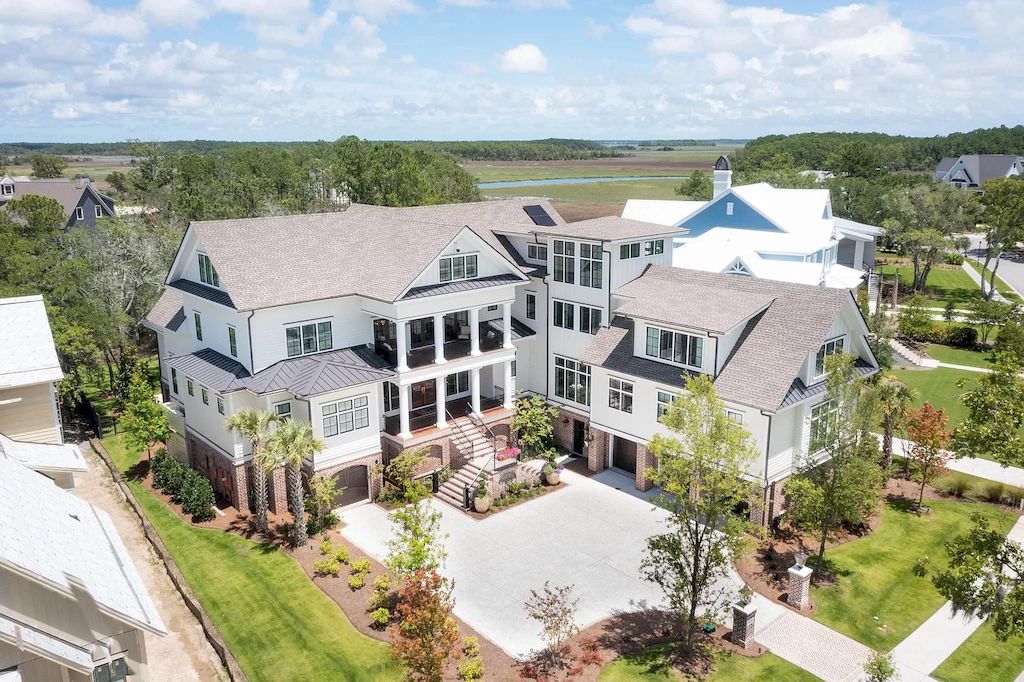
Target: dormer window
[
  {"x": 455, "y": 268},
  {"x": 313, "y": 337},
  {"x": 8, "y": 189},
  {"x": 828, "y": 348},
  {"x": 676, "y": 347},
  {"x": 207, "y": 273}
]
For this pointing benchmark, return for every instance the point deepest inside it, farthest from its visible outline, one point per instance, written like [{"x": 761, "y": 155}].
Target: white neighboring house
[
  {"x": 30, "y": 428},
  {"x": 762, "y": 231},
  {"x": 72, "y": 606},
  {"x": 384, "y": 327}
]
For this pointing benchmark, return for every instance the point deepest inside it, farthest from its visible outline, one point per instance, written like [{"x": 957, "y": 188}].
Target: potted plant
[
  {"x": 552, "y": 473},
  {"x": 482, "y": 498}
]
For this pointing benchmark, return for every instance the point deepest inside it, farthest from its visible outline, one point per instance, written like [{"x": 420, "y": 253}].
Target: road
[{"x": 1011, "y": 266}]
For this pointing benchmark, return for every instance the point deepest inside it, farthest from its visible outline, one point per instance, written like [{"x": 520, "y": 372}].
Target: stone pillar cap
[
  {"x": 800, "y": 570},
  {"x": 745, "y": 609}
]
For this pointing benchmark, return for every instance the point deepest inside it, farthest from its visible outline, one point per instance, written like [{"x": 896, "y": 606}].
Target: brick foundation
[
  {"x": 372, "y": 461},
  {"x": 767, "y": 503},
  {"x": 230, "y": 481},
  {"x": 646, "y": 464},
  {"x": 277, "y": 490}
]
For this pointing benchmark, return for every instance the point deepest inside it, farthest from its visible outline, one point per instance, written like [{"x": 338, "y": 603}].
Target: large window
[
  {"x": 346, "y": 415},
  {"x": 591, "y": 266},
  {"x": 627, "y": 251},
  {"x": 823, "y": 421},
  {"x": 283, "y": 410},
  {"x": 682, "y": 349},
  {"x": 565, "y": 261},
  {"x": 654, "y": 247},
  {"x": 590, "y": 319},
  {"x": 199, "y": 325},
  {"x": 664, "y": 400},
  {"x": 537, "y": 252},
  {"x": 232, "y": 342},
  {"x": 457, "y": 383},
  {"x": 620, "y": 395},
  {"x": 572, "y": 380},
  {"x": 454, "y": 268},
  {"x": 174, "y": 380},
  {"x": 207, "y": 273},
  {"x": 309, "y": 338},
  {"x": 828, "y": 348},
  {"x": 531, "y": 306},
  {"x": 390, "y": 396},
  {"x": 563, "y": 315}
]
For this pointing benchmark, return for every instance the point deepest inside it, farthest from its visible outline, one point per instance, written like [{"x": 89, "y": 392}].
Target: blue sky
[{"x": 94, "y": 70}]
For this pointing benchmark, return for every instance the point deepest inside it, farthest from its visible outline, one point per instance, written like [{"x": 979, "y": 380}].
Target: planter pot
[
  {"x": 481, "y": 504},
  {"x": 553, "y": 478}
]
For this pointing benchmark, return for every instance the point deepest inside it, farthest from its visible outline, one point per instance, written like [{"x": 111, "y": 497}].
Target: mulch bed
[{"x": 545, "y": 489}]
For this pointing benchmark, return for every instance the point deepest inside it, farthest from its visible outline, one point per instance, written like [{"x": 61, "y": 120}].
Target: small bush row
[
  {"x": 959, "y": 485},
  {"x": 333, "y": 558},
  {"x": 380, "y": 602},
  {"x": 957, "y": 336},
  {"x": 184, "y": 485},
  {"x": 472, "y": 668}
]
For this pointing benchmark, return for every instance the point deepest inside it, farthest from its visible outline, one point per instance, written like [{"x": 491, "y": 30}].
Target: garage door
[
  {"x": 624, "y": 455},
  {"x": 356, "y": 482}
]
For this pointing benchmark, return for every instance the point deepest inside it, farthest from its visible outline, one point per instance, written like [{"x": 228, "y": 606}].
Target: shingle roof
[
  {"x": 27, "y": 353},
  {"x": 202, "y": 291},
  {"x": 69, "y": 546},
  {"x": 43, "y": 456},
  {"x": 609, "y": 228},
  {"x": 799, "y": 392},
  {"x": 461, "y": 285},
  {"x": 67, "y": 193},
  {"x": 168, "y": 312},
  {"x": 771, "y": 349},
  {"x": 982, "y": 167}
]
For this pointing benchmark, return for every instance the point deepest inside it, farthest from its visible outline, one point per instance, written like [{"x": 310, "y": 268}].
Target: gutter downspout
[
  {"x": 767, "y": 449},
  {"x": 248, "y": 327},
  {"x": 608, "y": 322}
]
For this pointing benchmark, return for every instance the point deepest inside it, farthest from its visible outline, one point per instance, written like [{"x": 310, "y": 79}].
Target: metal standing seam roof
[
  {"x": 799, "y": 392},
  {"x": 462, "y": 285},
  {"x": 69, "y": 545},
  {"x": 27, "y": 353},
  {"x": 218, "y": 296},
  {"x": 168, "y": 312},
  {"x": 520, "y": 330}
]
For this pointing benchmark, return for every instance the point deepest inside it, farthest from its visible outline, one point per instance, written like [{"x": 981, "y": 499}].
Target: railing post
[
  {"x": 465, "y": 496},
  {"x": 435, "y": 481}
]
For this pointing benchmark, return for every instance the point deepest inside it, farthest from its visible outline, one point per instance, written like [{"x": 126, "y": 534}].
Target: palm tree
[
  {"x": 894, "y": 399},
  {"x": 253, "y": 425},
  {"x": 290, "y": 444}
]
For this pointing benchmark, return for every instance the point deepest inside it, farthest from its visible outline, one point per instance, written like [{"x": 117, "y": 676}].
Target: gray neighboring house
[
  {"x": 83, "y": 204},
  {"x": 970, "y": 170}
]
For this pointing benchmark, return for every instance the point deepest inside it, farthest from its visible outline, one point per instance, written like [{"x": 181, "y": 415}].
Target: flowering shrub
[{"x": 510, "y": 452}]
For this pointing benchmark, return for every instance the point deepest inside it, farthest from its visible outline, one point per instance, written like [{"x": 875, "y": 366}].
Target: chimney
[
  {"x": 82, "y": 180},
  {"x": 722, "y": 176}
]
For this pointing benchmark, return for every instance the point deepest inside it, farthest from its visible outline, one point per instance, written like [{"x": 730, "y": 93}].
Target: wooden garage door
[
  {"x": 624, "y": 455},
  {"x": 356, "y": 482}
]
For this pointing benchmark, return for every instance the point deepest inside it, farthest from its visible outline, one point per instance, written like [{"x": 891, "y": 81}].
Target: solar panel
[{"x": 539, "y": 216}]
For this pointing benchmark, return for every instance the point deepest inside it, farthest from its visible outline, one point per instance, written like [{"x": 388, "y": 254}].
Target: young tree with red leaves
[
  {"x": 426, "y": 635},
  {"x": 927, "y": 430}
]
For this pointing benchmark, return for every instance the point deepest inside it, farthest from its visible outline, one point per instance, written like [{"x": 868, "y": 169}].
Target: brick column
[
  {"x": 277, "y": 494},
  {"x": 597, "y": 450},
  {"x": 799, "y": 586},
  {"x": 645, "y": 463},
  {"x": 240, "y": 489},
  {"x": 743, "y": 624}
]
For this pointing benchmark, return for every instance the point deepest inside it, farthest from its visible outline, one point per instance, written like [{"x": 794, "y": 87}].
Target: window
[
  {"x": 627, "y": 251},
  {"x": 537, "y": 252},
  {"x": 682, "y": 349},
  {"x": 8, "y": 190},
  {"x": 99, "y": 211},
  {"x": 199, "y": 325},
  {"x": 453, "y": 268},
  {"x": 283, "y": 410},
  {"x": 189, "y": 387},
  {"x": 654, "y": 248},
  {"x": 390, "y": 396},
  {"x": 823, "y": 420},
  {"x": 664, "y": 400},
  {"x": 728, "y": 208},
  {"x": 456, "y": 383},
  {"x": 572, "y": 380},
  {"x": 312, "y": 337},
  {"x": 206, "y": 395},
  {"x": 531, "y": 306},
  {"x": 590, "y": 319},
  {"x": 220, "y": 404},
  {"x": 514, "y": 374},
  {"x": 207, "y": 273},
  {"x": 734, "y": 415},
  {"x": 232, "y": 342},
  {"x": 115, "y": 671},
  {"x": 345, "y": 415},
  {"x": 620, "y": 395},
  {"x": 591, "y": 266},
  {"x": 828, "y": 348},
  {"x": 79, "y": 213},
  {"x": 174, "y": 380},
  {"x": 563, "y": 315},
  {"x": 565, "y": 261},
  {"x": 492, "y": 308}
]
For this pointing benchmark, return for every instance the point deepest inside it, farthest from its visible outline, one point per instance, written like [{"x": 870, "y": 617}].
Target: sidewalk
[
  {"x": 982, "y": 468},
  {"x": 816, "y": 648},
  {"x": 976, "y": 278}
]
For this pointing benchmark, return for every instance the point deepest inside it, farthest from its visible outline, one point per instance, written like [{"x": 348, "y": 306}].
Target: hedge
[{"x": 184, "y": 485}]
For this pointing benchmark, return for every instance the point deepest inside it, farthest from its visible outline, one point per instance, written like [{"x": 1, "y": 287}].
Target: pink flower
[{"x": 508, "y": 453}]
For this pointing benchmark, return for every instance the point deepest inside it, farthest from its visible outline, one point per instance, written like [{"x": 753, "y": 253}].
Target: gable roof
[
  {"x": 167, "y": 313},
  {"x": 43, "y": 456},
  {"x": 982, "y": 167},
  {"x": 27, "y": 353},
  {"x": 660, "y": 211},
  {"x": 791, "y": 210},
  {"x": 69, "y": 546},
  {"x": 67, "y": 193},
  {"x": 767, "y": 357}
]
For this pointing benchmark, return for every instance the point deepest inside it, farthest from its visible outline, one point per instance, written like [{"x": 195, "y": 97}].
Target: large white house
[
  {"x": 789, "y": 235},
  {"x": 384, "y": 327}
]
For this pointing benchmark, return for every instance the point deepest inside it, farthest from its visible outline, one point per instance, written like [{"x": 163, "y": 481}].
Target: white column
[
  {"x": 506, "y": 322},
  {"x": 403, "y": 346},
  {"x": 858, "y": 254},
  {"x": 508, "y": 405},
  {"x": 474, "y": 331},
  {"x": 474, "y": 387},
  {"x": 440, "y": 401},
  {"x": 403, "y": 412},
  {"x": 439, "y": 339}
]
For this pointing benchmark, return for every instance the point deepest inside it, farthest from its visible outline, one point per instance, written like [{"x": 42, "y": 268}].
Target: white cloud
[
  {"x": 175, "y": 12},
  {"x": 595, "y": 29},
  {"x": 525, "y": 58}
]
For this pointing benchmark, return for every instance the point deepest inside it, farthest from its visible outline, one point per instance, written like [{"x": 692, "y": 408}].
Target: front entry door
[
  {"x": 624, "y": 455},
  {"x": 578, "y": 431}
]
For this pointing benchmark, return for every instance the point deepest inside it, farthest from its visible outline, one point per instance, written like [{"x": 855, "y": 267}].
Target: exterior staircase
[
  {"x": 874, "y": 291},
  {"x": 476, "y": 449}
]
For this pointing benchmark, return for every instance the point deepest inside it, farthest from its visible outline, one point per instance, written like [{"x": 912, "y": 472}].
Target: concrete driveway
[{"x": 588, "y": 534}]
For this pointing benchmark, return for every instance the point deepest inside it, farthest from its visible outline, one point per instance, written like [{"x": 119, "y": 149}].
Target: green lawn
[
  {"x": 1001, "y": 661},
  {"x": 651, "y": 665},
  {"x": 959, "y": 356},
  {"x": 1001, "y": 286},
  {"x": 552, "y": 170},
  {"x": 97, "y": 389},
  {"x": 938, "y": 386},
  {"x": 943, "y": 285},
  {"x": 874, "y": 574},
  {"x": 276, "y": 622},
  {"x": 593, "y": 192}
]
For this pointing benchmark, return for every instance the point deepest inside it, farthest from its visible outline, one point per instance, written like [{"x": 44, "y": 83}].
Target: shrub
[
  {"x": 378, "y": 600},
  {"x": 379, "y": 618},
  {"x": 196, "y": 496},
  {"x": 991, "y": 491},
  {"x": 326, "y": 547},
  {"x": 921, "y": 566},
  {"x": 956, "y": 485},
  {"x": 356, "y": 581},
  {"x": 962, "y": 337},
  {"x": 1013, "y": 495},
  {"x": 327, "y": 566},
  {"x": 382, "y": 583},
  {"x": 591, "y": 657},
  {"x": 361, "y": 566},
  {"x": 471, "y": 668},
  {"x": 470, "y": 646},
  {"x": 953, "y": 258},
  {"x": 341, "y": 554}
]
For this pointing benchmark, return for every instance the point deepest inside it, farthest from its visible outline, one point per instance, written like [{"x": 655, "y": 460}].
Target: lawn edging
[{"x": 180, "y": 583}]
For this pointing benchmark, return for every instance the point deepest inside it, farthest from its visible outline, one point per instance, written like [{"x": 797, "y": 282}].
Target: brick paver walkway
[{"x": 816, "y": 648}]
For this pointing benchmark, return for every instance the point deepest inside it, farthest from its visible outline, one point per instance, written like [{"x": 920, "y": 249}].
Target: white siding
[
  {"x": 350, "y": 326},
  {"x": 356, "y": 443},
  {"x": 489, "y": 262},
  {"x": 624, "y": 271},
  {"x": 29, "y": 413}
]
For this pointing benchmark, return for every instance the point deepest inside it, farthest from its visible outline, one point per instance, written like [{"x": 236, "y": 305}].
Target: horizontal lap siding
[{"x": 30, "y": 414}]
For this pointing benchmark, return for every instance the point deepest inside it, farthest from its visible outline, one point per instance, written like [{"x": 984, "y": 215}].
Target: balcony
[
  {"x": 175, "y": 416},
  {"x": 422, "y": 420},
  {"x": 490, "y": 339}
]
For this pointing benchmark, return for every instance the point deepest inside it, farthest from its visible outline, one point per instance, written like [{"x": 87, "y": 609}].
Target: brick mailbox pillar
[
  {"x": 799, "y": 586},
  {"x": 743, "y": 624}
]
